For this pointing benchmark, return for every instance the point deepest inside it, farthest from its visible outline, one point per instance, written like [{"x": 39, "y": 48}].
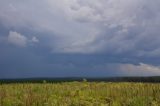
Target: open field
[{"x": 80, "y": 94}]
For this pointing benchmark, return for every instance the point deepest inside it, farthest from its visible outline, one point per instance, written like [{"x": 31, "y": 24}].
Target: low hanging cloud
[
  {"x": 20, "y": 40},
  {"x": 17, "y": 39},
  {"x": 127, "y": 69},
  {"x": 34, "y": 39},
  {"x": 139, "y": 70}
]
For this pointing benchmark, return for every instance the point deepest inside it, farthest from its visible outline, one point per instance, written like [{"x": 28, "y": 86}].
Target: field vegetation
[{"x": 80, "y": 94}]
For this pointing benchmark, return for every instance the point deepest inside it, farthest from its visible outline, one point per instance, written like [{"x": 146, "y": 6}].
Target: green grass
[{"x": 80, "y": 94}]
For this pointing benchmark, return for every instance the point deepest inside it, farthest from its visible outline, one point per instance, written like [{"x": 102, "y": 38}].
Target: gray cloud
[
  {"x": 112, "y": 26},
  {"x": 128, "y": 69},
  {"x": 88, "y": 25},
  {"x": 17, "y": 39},
  {"x": 140, "y": 70},
  {"x": 34, "y": 39},
  {"x": 122, "y": 31}
]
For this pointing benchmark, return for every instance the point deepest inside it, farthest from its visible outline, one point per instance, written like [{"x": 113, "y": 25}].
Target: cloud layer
[
  {"x": 90, "y": 26},
  {"x": 120, "y": 31}
]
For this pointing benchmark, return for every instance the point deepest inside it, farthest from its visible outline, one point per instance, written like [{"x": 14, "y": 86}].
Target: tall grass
[{"x": 80, "y": 94}]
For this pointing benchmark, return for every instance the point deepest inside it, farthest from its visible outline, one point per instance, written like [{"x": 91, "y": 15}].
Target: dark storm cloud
[{"x": 79, "y": 37}]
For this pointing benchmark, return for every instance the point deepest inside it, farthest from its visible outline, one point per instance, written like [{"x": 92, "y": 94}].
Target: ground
[{"x": 80, "y": 94}]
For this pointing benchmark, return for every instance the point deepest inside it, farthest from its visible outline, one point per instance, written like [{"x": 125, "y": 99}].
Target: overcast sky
[{"x": 89, "y": 38}]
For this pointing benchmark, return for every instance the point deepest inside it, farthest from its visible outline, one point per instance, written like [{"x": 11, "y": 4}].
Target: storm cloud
[{"x": 80, "y": 37}]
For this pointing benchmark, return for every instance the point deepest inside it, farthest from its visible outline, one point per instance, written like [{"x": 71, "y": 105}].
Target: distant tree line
[{"x": 82, "y": 79}]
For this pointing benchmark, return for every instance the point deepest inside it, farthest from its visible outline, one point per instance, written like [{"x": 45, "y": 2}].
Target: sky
[{"x": 79, "y": 38}]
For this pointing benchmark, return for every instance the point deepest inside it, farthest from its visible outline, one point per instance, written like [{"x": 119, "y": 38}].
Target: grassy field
[{"x": 80, "y": 94}]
